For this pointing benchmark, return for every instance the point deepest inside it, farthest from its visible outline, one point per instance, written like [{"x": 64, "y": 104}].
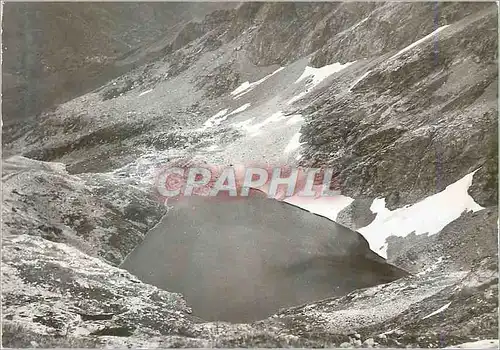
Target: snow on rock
[
  {"x": 317, "y": 76},
  {"x": 244, "y": 124},
  {"x": 297, "y": 97},
  {"x": 359, "y": 79},
  {"x": 275, "y": 117},
  {"x": 212, "y": 148},
  {"x": 328, "y": 207},
  {"x": 418, "y": 42},
  {"x": 246, "y": 87},
  {"x": 438, "y": 311},
  {"x": 221, "y": 116},
  {"x": 430, "y": 215},
  {"x": 72, "y": 293},
  {"x": 293, "y": 144},
  {"x": 88, "y": 211},
  {"x": 240, "y": 109},
  {"x": 320, "y": 74}
]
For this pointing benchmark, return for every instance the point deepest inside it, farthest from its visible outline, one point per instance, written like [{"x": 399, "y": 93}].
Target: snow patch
[
  {"x": 216, "y": 119},
  {"x": 430, "y": 215},
  {"x": 318, "y": 75},
  {"x": 246, "y": 87},
  {"x": 243, "y": 125},
  {"x": 359, "y": 23},
  {"x": 359, "y": 79},
  {"x": 438, "y": 311},
  {"x": 480, "y": 344},
  {"x": 432, "y": 267},
  {"x": 145, "y": 92},
  {"x": 294, "y": 119},
  {"x": 275, "y": 117},
  {"x": 418, "y": 42}
]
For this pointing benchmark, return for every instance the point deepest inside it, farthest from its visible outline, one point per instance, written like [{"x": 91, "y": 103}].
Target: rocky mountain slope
[{"x": 399, "y": 98}]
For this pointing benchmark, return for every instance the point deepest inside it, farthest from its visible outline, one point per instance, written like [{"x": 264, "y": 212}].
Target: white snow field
[{"x": 327, "y": 206}]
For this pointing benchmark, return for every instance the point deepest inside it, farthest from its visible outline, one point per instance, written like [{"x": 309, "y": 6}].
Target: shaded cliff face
[{"x": 399, "y": 98}]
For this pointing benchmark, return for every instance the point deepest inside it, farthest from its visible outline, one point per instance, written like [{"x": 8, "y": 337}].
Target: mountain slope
[{"x": 399, "y": 98}]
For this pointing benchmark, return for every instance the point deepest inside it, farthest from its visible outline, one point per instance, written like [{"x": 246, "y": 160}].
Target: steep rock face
[{"x": 394, "y": 98}]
